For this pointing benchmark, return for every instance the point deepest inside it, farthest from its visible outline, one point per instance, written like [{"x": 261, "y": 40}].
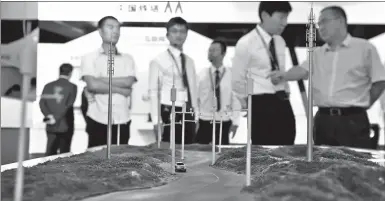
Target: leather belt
[
  {"x": 283, "y": 95},
  {"x": 338, "y": 111}
]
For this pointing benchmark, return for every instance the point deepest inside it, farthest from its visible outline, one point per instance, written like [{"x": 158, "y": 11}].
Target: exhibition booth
[
  {"x": 16, "y": 57},
  {"x": 144, "y": 43}
]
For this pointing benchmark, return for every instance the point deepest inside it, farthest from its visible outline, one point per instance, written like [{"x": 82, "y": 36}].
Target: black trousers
[
  {"x": 97, "y": 133},
  {"x": 273, "y": 121},
  {"x": 61, "y": 141},
  {"x": 352, "y": 130},
  {"x": 189, "y": 126},
  {"x": 58, "y": 142},
  {"x": 205, "y": 132}
]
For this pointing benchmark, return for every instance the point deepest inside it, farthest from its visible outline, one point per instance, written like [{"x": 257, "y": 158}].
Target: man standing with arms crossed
[
  {"x": 95, "y": 74},
  {"x": 262, "y": 51},
  {"x": 217, "y": 79},
  {"x": 348, "y": 78},
  {"x": 170, "y": 64}
]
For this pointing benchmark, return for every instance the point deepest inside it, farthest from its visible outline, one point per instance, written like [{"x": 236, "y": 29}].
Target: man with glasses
[{"x": 348, "y": 78}]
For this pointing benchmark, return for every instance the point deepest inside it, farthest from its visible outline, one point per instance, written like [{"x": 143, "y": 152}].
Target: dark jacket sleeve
[
  {"x": 69, "y": 103},
  {"x": 43, "y": 103}
]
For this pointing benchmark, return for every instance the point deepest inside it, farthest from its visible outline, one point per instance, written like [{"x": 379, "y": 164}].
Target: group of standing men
[
  {"x": 348, "y": 78},
  {"x": 174, "y": 69},
  {"x": 171, "y": 68}
]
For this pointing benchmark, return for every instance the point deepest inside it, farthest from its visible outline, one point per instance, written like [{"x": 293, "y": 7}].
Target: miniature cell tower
[
  {"x": 310, "y": 44},
  {"x": 110, "y": 72},
  {"x": 248, "y": 149}
]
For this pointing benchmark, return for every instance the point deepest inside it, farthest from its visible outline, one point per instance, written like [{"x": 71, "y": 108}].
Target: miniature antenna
[
  {"x": 173, "y": 99},
  {"x": 159, "y": 111},
  {"x": 310, "y": 43},
  {"x": 110, "y": 72},
  {"x": 213, "y": 122},
  {"x": 248, "y": 149}
]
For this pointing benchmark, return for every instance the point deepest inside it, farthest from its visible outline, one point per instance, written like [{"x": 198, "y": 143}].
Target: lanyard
[
  {"x": 175, "y": 62},
  {"x": 220, "y": 78},
  {"x": 267, "y": 49}
]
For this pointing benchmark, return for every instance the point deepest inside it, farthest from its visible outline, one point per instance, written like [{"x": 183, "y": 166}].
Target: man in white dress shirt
[
  {"x": 173, "y": 68},
  {"x": 348, "y": 78},
  {"x": 262, "y": 51},
  {"x": 382, "y": 104},
  {"x": 95, "y": 74},
  {"x": 217, "y": 80}
]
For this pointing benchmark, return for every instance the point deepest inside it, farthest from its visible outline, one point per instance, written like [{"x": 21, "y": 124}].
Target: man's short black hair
[
  {"x": 274, "y": 6},
  {"x": 338, "y": 12},
  {"x": 101, "y": 21},
  {"x": 66, "y": 69},
  {"x": 222, "y": 43},
  {"x": 176, "y": 20}
]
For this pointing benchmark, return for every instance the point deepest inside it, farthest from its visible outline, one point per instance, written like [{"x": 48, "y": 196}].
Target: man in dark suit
[{"x": 56, "y": 104}]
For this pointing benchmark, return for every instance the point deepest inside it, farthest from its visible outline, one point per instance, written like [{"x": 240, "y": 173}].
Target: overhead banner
[{"x": 196, "y": 12}]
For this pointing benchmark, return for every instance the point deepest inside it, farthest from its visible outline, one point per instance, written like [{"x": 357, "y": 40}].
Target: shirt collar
[
  {"x": 221, "y": 69},
  {"x": 266, "y": 37},
  {"x": 64, "y": 77},
  {"x": 101, "y": 51},
  {"x": 345, "y": 43},
  {"x": 175, "y": 51}
]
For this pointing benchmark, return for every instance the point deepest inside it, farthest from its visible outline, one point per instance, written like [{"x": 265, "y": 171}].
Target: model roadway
[{"x": 200, "y": 182}]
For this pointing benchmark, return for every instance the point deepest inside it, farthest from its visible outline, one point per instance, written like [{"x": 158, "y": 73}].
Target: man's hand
[
  {"x": 51, "y": 120},
  {"x": 277, "y": 77},
  {"x": 125, "y": 92},
  {"x": 233, "y": 129}
]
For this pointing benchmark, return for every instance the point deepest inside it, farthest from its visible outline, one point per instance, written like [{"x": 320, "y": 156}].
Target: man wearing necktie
[
  {"x": 217, "y": 80},
  {"x": 262, "y": 51},
  {"x": 173, "y": 68}
]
